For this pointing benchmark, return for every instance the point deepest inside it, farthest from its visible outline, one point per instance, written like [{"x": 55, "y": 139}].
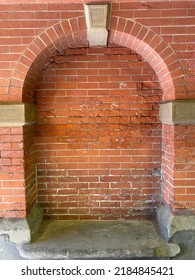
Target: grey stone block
[
  {"x": 178, "y": 112},
  {"x": 17, "y": 114}
]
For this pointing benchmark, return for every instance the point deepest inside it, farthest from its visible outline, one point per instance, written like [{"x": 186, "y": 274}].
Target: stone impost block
[
  {"x": 17, "y": 114},
  {"x": 178, "y": 112}
]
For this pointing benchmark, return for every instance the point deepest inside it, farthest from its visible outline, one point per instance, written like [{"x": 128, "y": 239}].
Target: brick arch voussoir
[
  {"x": 153, "y": 49},
  {"x": 53, "y": 41}
]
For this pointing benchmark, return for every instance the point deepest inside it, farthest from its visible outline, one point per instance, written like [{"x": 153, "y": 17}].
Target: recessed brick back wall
[{"x": 98, "y": 136}]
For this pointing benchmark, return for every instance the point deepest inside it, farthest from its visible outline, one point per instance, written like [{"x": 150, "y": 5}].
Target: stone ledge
[
  {"x": 178, "y": 112},
  {"x": 99, "y": 240},
  {"x": 17, "y": 114},
  {"x": 170, "y": 224}
]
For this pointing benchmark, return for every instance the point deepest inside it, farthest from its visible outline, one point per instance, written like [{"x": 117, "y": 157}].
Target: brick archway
[{"x": 73, "y": 34}]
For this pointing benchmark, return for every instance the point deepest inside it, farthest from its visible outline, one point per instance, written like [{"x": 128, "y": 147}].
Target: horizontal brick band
[
  {"x": 14, "y": 114},
  {"x": 178, "y": 112}
]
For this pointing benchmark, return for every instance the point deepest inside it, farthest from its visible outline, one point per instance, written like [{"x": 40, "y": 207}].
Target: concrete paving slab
[{"x": 96, "y": 240}]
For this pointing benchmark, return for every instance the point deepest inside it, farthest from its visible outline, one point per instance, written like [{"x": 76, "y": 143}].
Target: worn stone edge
[{"x": 170, "y": 224}]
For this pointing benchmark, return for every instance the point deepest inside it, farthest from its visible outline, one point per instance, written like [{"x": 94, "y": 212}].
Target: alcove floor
[{"x": 99, "y": 240}]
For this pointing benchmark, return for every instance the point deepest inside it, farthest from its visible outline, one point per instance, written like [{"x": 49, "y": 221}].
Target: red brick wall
[
  {"x": 168, "y": 164},
  {"x": 98, "y": 136},
  {"x": 29, "y": 34},
  {"x": 184, "y": 179},
  {"x": 12, "y": 181},
  {"x": 178, "y": 189},
  {"x": 17, "y": 171},
  {"x": 30, "y": 167}
]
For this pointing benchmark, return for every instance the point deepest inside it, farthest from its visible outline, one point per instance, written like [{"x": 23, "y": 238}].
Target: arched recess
[{"x": 73, "y": 34}]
